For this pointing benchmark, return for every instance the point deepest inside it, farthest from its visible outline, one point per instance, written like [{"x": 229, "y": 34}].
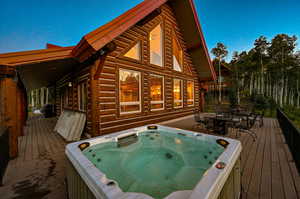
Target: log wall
[
  {"x": 110, "y": 118},
  {"x": 103, "y": 113}
]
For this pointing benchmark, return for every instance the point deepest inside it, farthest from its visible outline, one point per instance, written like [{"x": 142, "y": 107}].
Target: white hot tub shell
[{"x": 86, "y": 181}]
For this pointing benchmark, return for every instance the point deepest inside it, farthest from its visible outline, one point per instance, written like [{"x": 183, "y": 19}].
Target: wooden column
[
  {"x": 10, "y": 94},
  {"x": 12, "y": 107},
  {"x": 94, "y": 100},
  {"x": 201, "y": 97}
]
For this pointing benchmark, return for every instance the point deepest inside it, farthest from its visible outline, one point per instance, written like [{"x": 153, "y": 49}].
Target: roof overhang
[
  {"x": 188, "y": 20},
  {"x": 40, "y": 68}
]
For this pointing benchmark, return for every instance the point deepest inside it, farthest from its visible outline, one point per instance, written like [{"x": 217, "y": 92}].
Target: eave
[{"x": 36, "y": 56}]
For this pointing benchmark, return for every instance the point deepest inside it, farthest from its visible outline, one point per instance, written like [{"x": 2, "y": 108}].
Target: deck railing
[
  {"x": 291, "y": 134},
  {"x": 4, "y": 151}
]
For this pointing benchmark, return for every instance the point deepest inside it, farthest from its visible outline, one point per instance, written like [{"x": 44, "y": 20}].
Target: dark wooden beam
[
  {"x": 110, "y": 47},
  {"x": 194, "y": 47},
  {"x": 151, "y": 16},
  {"x": 7, "y": 71}
]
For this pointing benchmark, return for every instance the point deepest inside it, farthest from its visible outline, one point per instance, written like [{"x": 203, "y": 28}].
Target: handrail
[{"x": 291, "y": 134}]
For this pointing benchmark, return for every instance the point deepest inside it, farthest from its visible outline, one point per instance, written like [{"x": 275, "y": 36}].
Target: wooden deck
[
  {"x": 39, "y": 171},
  {"x": 268, "y": 169}
]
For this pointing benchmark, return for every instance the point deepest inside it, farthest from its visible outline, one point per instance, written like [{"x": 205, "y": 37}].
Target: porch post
[
  {"x": 94, "y": 101},
  {"x": 11, "y": 107},
  {"x": 202, "y": 98}
]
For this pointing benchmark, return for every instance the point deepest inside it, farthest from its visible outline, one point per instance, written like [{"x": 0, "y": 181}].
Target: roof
[
  {"x": 92, "y": 42},
  {"x": 225, "y": 67},
  {"x": 186, "y": 16},
  {"x": 35, "y": 56}
]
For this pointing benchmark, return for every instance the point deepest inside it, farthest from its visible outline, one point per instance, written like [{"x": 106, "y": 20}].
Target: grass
[{"x": 293, "y": 114}]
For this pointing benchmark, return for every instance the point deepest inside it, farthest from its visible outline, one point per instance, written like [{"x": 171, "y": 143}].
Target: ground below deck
[{"x": 268, "y": 168}]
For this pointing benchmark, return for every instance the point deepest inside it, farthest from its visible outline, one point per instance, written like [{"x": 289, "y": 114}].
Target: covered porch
[{"x": 268, "y": 169}]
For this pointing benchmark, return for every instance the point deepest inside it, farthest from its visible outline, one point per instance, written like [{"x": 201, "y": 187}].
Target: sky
[{"x": 30, "y": 24}]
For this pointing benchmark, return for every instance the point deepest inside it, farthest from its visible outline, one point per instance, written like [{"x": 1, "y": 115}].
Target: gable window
[
  {"x": 156, "y": 46},
  {"x": 130, "y": 94},
  {"x": 177, "y": 56},
  {"x": 157, "y": 92},
  {"x": 134, "y": 52},
  {"x": 190, "y": 93},
  {"x": 177, "y": 93},
  {"x": 82, "y": 96}
]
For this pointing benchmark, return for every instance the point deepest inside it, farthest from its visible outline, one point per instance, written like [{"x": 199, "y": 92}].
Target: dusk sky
[{"x": 30, "y": 24}]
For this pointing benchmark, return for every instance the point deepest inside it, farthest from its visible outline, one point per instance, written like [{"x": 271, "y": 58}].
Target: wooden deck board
[
  {"x": 268, "y": 169},
  {"x": 265, "y": 186},
  {"x": 276, "y": 183}
]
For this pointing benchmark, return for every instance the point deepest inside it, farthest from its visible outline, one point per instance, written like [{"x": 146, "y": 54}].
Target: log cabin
[{"x": 145, "y": 66}]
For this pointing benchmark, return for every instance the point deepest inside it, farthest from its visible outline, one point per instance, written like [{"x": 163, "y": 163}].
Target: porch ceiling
[{"x": 37, "y": 75}]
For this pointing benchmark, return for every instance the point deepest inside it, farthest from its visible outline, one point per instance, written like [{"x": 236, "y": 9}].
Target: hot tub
[{"x": 154, "y": 161}]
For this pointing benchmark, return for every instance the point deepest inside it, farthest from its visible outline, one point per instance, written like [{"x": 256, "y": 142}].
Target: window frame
[
  {"x": 130, "y": 103},
  {"x": 163, "y": 94},
  {"x": 161, "y": 24},
  {"x": 181, "y": 92},
  {"x": 189, "y": 100},
  {"x": 140, "y": 41},
  {"x": 181, "y": 62},
  {"x": 79, "y": 91}
]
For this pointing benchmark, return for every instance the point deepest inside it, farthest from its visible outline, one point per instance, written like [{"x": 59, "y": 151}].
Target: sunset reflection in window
[
  {"x": 134, "y": 52},
  {"x": 130, "y": 101},
  {"x": 190, "y": 93},
  {"x": 177, "y": 56},
  {"x": 156, "y": 92},
  {"x": 177, "y": 93},
  {"x": 156, "y": 46}
]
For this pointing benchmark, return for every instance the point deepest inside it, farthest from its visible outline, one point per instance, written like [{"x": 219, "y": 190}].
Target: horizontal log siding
[
  {"x": 110, "y": 119},
  {"x": 75, "y": 78}
]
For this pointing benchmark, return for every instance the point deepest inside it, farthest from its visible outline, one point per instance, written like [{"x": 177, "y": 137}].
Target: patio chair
[
  {"x": 246, "y": 126},
  {"x": 200, "y": 121},
  {"x": 260, "y": 119}
]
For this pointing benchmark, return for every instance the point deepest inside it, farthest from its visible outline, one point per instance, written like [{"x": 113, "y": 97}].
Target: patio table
[{"x": 221, "y": 124}]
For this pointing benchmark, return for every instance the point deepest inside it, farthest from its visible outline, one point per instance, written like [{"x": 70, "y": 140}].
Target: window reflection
[
  {"x": 156, "y": 92},
  {"x": 134, "y": 52},
  {"x": 177, "y": 56},
  {"x": 177, "y": 93},
  {"x": 156, "y": 46},
  {"x": 190, "y": 93},
  {"x": 129, "y": 91}
]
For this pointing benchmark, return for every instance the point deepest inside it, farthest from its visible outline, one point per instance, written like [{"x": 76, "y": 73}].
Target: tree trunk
[
  {"x": 250, "y": 87},
  {"x": 220, "y": 83}
]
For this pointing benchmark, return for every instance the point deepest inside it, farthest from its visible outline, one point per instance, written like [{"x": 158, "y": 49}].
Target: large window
[
  {"x": 177, "y": 56},
  {"x": 156, "y": 46},
  {"x": 134, "y": 52},
  {"x": 157, "y": 92},
  {"x": 177, "y": 93},
  {"x": 82, "y": 96},
  {"x": 130, "y": 99},
  {"x": 190, "y": 93}
]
